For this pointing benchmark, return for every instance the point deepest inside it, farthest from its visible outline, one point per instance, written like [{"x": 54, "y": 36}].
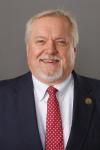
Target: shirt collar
[
  {"x": 63, "y": 86},
  {"x": 39, "y": 87},
  {"x": 42, "y": 87}
]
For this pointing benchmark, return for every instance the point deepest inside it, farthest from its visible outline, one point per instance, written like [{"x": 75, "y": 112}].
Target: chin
[{"x": 50, "y": 77}]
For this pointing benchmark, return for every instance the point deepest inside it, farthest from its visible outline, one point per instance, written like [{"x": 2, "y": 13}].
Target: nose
[{"x": 51, "y": 47}]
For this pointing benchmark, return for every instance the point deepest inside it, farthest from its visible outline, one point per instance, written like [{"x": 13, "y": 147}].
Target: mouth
[{"x": 49, "y": 61}]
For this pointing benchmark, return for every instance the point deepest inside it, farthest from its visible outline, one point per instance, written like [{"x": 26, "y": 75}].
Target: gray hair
[{"x": 56, "y": 13}]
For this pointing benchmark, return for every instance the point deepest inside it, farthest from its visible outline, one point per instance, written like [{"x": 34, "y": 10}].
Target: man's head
[{"x": 51, "y": 39}]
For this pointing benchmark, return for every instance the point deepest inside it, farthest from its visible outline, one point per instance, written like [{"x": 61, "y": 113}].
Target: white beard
[{"x": 51, "y": 78}]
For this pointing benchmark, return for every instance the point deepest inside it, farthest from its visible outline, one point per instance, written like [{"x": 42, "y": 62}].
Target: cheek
[
  {"x": 32, "y": 53},
  {"x": 31, "y": 56},
  {"x": 64, "y": 56},
  {"x": 68, "y": 57}
]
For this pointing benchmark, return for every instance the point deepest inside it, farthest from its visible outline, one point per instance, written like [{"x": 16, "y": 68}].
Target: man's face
[{"x": 50, "y": 50}]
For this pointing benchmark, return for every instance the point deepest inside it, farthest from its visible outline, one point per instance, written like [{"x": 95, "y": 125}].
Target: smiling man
[
  {"x": 50, "y": 107},
  {"x": 50, "y": 49}
]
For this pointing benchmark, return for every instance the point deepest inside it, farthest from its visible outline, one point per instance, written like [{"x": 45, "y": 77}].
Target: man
[{"x": 32, "y": 118}]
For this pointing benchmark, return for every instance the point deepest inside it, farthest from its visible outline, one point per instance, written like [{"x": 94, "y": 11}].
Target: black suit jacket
[{"x": 18, "y": 122}]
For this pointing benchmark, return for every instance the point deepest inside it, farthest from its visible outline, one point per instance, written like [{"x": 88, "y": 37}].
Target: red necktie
[{"x": 54, "y": 132}]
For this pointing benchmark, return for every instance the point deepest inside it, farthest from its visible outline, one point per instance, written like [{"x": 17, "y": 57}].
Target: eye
[
  {"x": 40, "y": 41},
  {"x": 61, "y": 42}
]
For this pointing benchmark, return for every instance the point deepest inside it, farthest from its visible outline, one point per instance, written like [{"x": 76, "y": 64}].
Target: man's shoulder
[
  {"x": 92, "y": 81},
  {"x": 87, "y": 81},
  {"x": 9, "y": 83}
]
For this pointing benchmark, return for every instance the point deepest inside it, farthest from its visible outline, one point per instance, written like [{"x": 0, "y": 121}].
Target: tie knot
[{"x": 51, "y": 90}]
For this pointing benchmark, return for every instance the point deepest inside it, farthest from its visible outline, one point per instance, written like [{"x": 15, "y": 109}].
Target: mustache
[{"x": 46, "y": 57}]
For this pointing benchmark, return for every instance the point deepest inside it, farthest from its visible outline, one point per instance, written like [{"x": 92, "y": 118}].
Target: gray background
[{"x": 15, "y": 13}]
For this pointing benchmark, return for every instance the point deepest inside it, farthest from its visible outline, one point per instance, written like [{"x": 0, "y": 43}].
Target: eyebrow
[
  {"x": 36, "y": 37},
  {"x": 62, "y": 38},
  {"x": 58, "y": 38}
]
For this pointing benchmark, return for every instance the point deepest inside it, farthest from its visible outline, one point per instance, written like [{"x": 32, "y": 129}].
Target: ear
[{"x": 75, "y": 49}]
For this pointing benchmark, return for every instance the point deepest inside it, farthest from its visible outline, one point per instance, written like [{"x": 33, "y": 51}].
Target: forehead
[{"x": 51, "y": 24}]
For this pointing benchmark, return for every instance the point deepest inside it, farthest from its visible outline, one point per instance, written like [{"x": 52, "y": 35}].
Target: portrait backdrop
[{"x": 13, "y": 17}]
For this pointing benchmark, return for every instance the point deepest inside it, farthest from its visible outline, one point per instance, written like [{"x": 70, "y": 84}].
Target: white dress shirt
[{"x": 65, "y": 98}]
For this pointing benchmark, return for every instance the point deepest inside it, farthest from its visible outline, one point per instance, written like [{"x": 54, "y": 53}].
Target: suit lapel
[
  {"x": 82, "y": 114},
  {"x": 28, "y": 113}
]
